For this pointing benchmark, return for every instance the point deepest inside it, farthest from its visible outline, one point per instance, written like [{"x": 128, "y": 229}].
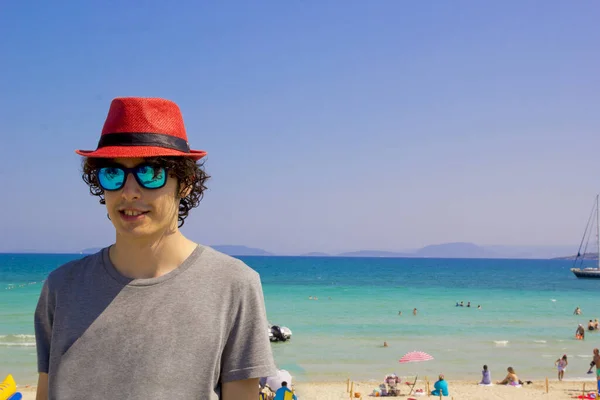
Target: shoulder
[
  {"x": 73, "y": 271},
  {"x": 228, "y": 268}
]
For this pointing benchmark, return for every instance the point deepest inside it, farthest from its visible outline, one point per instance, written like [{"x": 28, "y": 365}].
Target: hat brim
[{"x": 139, "y": 152}]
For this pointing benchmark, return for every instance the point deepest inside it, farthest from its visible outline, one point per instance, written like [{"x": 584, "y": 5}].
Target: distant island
[
  {"x": 586, "y": 256},
  {"x": 375, "y": 253},
  {"x": 91, "y": 250},
  {"x": 236, "y": 250},
  {"x": 230, "y": 249},
  {"x": 443, "y": 250}
]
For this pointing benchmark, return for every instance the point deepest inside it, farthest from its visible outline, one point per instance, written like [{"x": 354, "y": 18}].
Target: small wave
[
  {"x": 500, "y": 342},
  {"x": 584, "y": 356},
  {"x": 11, "y": 344},
  {"x": 17, "y": 336},
  {"x": 539, "y": 341},
  {"x": 553, "y": 300}
]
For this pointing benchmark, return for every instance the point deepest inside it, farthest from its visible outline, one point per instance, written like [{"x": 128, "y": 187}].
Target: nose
[{"x": 131, "y": 190}]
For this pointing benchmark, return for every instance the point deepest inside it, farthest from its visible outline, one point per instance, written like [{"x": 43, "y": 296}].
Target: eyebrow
[{"x": 110, "y": 162}]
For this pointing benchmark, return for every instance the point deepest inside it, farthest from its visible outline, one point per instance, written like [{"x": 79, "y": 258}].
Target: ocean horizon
[{"x": 526, "y": 318}]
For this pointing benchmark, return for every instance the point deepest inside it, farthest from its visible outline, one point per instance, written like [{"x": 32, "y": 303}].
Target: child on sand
[{"x": 561, "y": 364}]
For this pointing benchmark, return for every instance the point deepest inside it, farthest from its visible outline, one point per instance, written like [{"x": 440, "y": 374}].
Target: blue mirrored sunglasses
[{"x": 147, "y": 176}]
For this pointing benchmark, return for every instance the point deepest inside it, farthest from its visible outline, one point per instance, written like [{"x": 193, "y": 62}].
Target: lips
[{"x": 132, "y": 214}]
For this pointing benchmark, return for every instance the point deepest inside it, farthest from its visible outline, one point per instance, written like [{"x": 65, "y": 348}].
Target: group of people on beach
[
  {"x": 511, "y": 378},
  {"x": 560, "y": 364}
]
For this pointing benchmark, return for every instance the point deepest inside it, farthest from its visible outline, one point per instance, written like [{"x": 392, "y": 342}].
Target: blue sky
[{"x": 330, "y": 126}]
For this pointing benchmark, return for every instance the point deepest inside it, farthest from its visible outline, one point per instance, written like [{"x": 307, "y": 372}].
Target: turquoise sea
[{"x": 526, "y": 320}]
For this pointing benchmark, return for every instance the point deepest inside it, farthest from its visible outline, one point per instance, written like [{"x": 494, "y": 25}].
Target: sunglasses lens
[
  {"x": 111, "y": 178},
  {"x": 151, "y": 177}
]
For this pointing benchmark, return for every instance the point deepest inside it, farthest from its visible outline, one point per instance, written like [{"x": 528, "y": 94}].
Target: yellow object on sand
[{"x": 8, "y": 387}]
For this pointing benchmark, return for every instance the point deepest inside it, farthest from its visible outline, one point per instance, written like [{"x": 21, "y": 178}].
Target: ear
[{"x": 185, "y": 188}]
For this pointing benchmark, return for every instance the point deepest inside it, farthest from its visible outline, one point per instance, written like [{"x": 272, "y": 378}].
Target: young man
[{"x": 155, "y": 315}]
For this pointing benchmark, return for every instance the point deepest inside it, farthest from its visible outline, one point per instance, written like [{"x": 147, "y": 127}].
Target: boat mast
[{"x": 597, "y": 230}]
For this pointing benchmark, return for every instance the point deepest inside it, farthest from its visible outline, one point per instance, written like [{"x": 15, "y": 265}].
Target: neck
[{"x": 140, "y": 258}]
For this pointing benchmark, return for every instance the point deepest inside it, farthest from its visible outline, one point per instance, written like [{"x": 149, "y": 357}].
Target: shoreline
[
  {"x": 458, "y": 389},
  {"x": 461, "y": 389}
]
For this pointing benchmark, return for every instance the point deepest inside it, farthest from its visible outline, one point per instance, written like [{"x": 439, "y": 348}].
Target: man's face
[{"x": 137, "y": 212}]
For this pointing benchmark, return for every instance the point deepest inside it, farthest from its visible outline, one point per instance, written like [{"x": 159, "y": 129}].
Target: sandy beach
[{"x": 459, "y": 390}]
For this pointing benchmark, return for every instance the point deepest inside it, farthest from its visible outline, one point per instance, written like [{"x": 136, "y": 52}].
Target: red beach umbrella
[{"x": 415, "y": 356}]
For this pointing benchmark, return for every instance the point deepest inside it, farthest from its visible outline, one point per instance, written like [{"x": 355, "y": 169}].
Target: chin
[{"x": 137, "y": 232}]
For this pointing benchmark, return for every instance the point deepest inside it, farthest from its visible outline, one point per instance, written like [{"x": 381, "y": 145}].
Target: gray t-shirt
[{"x": 101, "y": 335}]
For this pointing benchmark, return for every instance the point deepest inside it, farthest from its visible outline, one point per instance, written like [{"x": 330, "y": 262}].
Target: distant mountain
[
  {"x": 91, "y": 250},
  {"x": 315, "y": 254},
  {"x": 228, "y": 249},
  {"x": 538, "y": 252},
  {"x": 443, "y": 250},
  {"x": 586, "y": 256},
  {"x": 455, "y": 250},
  {"x": 235, "y": 250},
  {"x": 374, "y": 253}
]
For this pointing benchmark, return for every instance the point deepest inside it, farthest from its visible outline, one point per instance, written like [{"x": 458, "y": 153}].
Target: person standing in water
[{"x": 580, "y": 333}]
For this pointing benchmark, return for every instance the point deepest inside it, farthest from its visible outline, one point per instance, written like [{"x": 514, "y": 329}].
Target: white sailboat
[{"x": 589, "y": 272}]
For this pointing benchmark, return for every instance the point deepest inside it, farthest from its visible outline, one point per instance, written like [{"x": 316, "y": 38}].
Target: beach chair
[{"x": 413, "y": 385}]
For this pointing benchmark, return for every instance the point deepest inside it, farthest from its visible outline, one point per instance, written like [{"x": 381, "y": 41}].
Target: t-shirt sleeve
[
  {"x": 43, "y": 320},
  {"x": 247, "y": 352}
]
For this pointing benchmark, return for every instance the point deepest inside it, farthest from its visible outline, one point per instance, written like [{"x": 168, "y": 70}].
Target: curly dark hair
[{"x": 189, "y": 173}]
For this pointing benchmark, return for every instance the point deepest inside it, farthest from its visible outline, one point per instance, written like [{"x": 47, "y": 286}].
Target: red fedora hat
[{"x": 143, "y": 127}]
